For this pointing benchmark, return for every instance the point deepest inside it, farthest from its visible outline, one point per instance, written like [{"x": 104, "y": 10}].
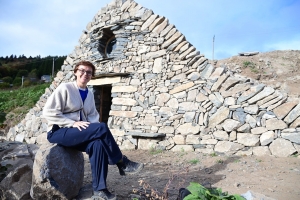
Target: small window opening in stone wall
[
  {"x": 103, "y": 101},
  {"x": 107, "y": 43}
]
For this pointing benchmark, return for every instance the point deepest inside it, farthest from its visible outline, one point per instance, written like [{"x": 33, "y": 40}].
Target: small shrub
[
  {"x": 26, "y": 83},
  {"x": 220, "y": 161},
  {"x": 4, "y": 85},
  {"x": 7, "y": 79},
  {"x": 213, "y": 154},
  {"x": 194, "y": 161},
  {"x": 247, "y": 63},
  {"x": 17, "y": 81}
]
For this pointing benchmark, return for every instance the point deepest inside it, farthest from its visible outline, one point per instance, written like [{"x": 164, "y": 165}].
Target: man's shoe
[
  {"x": 103, "y": 195},
  {"x": 129, "y": 167}
]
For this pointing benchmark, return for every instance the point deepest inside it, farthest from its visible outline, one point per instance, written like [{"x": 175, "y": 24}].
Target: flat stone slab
[
  {"x": 251, "y": 53},
  {"x": 149, "y": 135}
]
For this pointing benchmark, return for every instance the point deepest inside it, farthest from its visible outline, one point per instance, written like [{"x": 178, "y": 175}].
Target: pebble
[{"x": 237, "y": 185}]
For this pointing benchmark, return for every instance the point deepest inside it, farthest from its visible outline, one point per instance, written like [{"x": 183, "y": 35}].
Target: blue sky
[{"x": 35, "y": 27}]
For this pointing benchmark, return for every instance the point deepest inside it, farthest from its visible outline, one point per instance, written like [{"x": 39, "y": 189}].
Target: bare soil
[
  {"x": 269, "y": 176},
  {"x": 279, "y": 69}
]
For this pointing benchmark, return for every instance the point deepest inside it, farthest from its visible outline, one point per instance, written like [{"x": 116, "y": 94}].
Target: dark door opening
[{"x": 103, "y": 101}]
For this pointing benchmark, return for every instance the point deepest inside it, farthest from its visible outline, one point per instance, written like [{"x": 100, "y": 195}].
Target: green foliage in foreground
[
  {"x": 202, "y": 193},
  {"x": 26, "y": 97}
]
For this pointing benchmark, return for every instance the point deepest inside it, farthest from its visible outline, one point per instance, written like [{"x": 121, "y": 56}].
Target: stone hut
[{"x": 155, "y": 90}]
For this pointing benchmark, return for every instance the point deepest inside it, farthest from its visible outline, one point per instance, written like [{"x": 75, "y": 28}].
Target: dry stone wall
[{"x": 173, "y": 98}]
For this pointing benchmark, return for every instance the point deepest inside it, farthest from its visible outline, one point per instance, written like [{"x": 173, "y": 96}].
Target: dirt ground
[{"x": 269, "y": 176}]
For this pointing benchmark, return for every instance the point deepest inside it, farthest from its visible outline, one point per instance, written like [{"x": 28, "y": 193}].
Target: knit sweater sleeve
[{"x": 59, "y": 109}]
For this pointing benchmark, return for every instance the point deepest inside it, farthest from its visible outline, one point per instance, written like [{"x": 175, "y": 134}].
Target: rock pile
[
  {"x": 16, "y": 169},
  {"x": 46, "y": 172},
  {"x": 172, "y": 98}
]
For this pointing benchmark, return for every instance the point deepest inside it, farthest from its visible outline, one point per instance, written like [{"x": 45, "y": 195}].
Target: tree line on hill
[{"x": 13, "y": 68}]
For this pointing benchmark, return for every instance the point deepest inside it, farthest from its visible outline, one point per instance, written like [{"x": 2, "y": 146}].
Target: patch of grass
[
  {"x": 237, "y": 161},
  {"x": 17, "y": 102},
  {"x": 194, "y": 161},
  {"x": 213, "y": 154},
  {"x": 182, "y": 152},
  {"x": 254, "y": 70},
  {"x": 220, "y": 161},
  {"x": 154, "y": 151},
  {"x": 259, "y": 160},
  {"x": 247, "y": 64}
]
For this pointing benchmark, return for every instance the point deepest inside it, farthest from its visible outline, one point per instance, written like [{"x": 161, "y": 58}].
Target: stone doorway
[{"x": 103, "y": 101}]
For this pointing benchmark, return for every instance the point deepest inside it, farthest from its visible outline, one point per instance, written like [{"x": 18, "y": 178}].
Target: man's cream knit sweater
[{"x": 65, "y": 105}]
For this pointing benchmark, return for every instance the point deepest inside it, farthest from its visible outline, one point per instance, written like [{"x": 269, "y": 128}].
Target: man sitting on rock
[{"x": 73, "y": 121}]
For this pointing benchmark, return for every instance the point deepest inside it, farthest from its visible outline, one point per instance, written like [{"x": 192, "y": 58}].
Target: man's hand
[{"x": 81, "y": 124}]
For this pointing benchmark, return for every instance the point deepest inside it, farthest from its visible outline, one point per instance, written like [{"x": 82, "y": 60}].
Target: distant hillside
[{"x": 12, "y": 68}]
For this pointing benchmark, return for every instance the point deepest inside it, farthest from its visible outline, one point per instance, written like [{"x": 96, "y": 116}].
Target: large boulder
[
  {"x": 57, "y": 173},
  {"x": 16, "y": 169}
]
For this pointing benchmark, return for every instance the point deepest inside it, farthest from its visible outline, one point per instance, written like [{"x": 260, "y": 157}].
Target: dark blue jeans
[{"x": 97, "y": 141}]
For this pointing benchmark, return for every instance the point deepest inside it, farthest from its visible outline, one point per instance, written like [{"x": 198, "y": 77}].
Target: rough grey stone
[
  {"x": 266, "y": 138},
  {"x": 228, "y": 147},
  {"x": 295, "y": 112},
  {"x": 248, "y": 139},
  {"x": 183, "y": 148},
  {"x": 244, "y": 128},
  {"x": 217, "y": 118},
  {"x": 231, "y": 125},
  {"x": 281, "y": 148},
  {"x": 251, "y": 92},
  {"x": 264, "y": 93},
  {"x": 221, "y": 135},
  {"x": 261, "y": 151},
  {"x": 293, "y": 136},
  {"x": 188, "y": 128},
  {"x": 57, "y": 172},
  {"x": 273, "y": 124}
]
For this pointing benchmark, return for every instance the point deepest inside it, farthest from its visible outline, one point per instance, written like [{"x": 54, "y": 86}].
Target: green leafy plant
[
  {"x": 220, "y": 161},
  {"x": 198, "y": 192},
  {"x": 247, "y": 63},
  {"x": 194, "y": 161},
  {"x": 295, "y": 155},
  {"x": 213, "y": 154}
]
